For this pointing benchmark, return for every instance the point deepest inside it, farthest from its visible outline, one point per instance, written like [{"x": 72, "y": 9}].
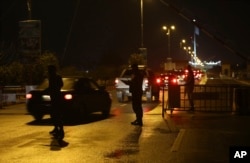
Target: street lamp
[
  {"x": 183, "y": 42},
  {"x": 187, "y": 50},
  {"x": 29, "y": 8},
  {"x": 142, "y": 24},
  {"x": 143, "y": 50},
  {"x": 168, "y": 29}
]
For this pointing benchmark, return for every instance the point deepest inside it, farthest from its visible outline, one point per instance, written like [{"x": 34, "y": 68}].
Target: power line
[
  {"x": 204, "y": 30},
  {"x": 70, "y": 30}
]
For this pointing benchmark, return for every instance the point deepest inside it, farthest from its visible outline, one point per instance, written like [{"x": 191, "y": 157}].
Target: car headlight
[{"x": 46, "y": 98}]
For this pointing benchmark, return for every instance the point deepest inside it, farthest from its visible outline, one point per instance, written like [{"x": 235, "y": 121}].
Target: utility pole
[
  {"x": 29, "y": 9},
  {"x": 142, "y": 49}
]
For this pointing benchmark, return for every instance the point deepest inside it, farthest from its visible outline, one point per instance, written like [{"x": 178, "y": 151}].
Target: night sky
[{"x": 87, "y": 33}]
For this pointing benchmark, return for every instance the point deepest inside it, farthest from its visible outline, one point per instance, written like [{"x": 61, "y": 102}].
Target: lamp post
[
  {"x": 183, "y": 42},
  {"x": 188, "y": 51},
  {"x": 29, "y": 9},
  {"x": 168, "y": 29},
  {"x": 142, "y": 49},
  {"x": 142, "y": 24}
]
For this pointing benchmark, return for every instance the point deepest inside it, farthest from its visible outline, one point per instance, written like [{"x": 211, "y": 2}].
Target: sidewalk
[
  {"x": 11, "y": 109},
  {"x": 207, "y": 137}
]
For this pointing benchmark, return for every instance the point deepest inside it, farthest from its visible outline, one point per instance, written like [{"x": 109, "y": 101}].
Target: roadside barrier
[{"x": 209, "y": 98}]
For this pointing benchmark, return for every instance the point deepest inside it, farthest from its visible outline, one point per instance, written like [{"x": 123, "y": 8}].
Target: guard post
[{"x": 173, "y": 95}]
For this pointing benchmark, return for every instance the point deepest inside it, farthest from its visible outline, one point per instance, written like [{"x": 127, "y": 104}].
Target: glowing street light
[
  {"x": 188, "y": 51},
  {"x": 182, "y": 43},
  {"x": 168, "y": 29}
]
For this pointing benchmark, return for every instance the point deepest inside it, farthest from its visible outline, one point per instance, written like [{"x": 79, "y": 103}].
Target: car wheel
[
  {"x": 106, "y": 110},
  {"x": 149, "y": 96},
  {"x": 81, "y": 112},
  {"x": 120, "y": 96},
  {"x": 105, "y": 113},
  {"x": 38, "y": 116}
]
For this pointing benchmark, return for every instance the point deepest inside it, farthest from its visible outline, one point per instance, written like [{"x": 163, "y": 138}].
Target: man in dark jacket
[
  {"x": 54, "y": 90},
  {"x": 136, "y": 90}
]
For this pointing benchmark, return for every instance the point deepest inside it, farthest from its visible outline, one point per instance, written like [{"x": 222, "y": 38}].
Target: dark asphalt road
[{"x": 183, "y": 137}]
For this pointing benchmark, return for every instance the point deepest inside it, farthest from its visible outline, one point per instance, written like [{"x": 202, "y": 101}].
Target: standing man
[
  {"x": 54, "y": 90},
  {"x": 189, "y": 88},
  {"x": 136, "y": 90}
]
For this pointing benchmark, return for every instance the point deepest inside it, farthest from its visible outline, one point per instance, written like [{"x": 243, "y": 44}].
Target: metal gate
[{"x": 212, "y": 98}]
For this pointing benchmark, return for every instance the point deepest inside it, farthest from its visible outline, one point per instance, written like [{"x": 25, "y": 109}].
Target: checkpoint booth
[{"x": 174, "y": 97}]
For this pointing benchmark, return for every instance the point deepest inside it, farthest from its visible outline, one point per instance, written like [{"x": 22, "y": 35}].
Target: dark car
[{"x": 80, "y": 97}]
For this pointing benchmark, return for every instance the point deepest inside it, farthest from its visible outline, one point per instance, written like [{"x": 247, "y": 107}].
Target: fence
[
  {"x": 207, "y": 98},
  {"x": 12, "y": 94}
]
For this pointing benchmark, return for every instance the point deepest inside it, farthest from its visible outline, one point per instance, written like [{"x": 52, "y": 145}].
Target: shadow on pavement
[
  {"x": 70, "y": 121},
  {"x": 56, "y": 145}
]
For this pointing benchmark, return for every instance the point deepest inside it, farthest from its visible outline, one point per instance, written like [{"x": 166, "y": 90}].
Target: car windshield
[
  {"x": 68, "y": 83},
  {"x": 85, "y": 85}
]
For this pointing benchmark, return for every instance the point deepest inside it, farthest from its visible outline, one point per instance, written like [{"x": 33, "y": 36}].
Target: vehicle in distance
[
  {"x": 80, "y": 97},
  {"x": 149, "y": 86},
  {"x": 173, "y": 77},
  {"x": 163, "y": 80},
  {"x": 177, "y": 77}
]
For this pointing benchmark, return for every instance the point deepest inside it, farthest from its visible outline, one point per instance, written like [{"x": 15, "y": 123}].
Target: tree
[
  {"x": 36, "y": 68},
  {"x": 12, "y": 74}
]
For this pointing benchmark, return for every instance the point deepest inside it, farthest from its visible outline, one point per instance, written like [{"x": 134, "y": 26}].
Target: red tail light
[
  {"x": 28, "y": 96},
  {"x": 158, "y": 80},
  {"x": 174, "y": 80}
]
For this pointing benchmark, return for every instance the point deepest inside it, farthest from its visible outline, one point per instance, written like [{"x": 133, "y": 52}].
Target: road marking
[
  {"x": 123, "y": 104},
  {"x": 178, "y": 140}
]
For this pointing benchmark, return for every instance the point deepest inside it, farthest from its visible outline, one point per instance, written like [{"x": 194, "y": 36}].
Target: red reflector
[
  {"x": 158, "y": 80},
  {"x": 174, "y": 81},
  {"x": 28, "y": 96}
]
